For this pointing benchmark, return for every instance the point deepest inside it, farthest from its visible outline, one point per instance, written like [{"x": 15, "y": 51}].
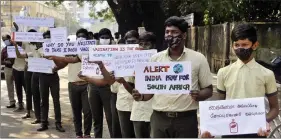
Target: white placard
[
  {"x": 163, "y": 77},
  {"x": 34, "y": 21},
  {"x": 29, "y": 37},
  {"x": 232, "y": 117},
  {"x": 67, "y": 48},
  {"x": 58, "y": 34},
  {"x": 125, "y": 62},
  {"x": 40, "y": 65},
  {"x": 105, "y": 52},
  {"x": 11, "y": 51},
  {"x": 92, "y": 69}
]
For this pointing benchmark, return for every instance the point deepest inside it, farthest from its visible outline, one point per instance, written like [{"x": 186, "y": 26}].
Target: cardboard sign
[
  {"x": 125, "y": 62},
  {"x": 163, "y": 77},
  {"x": 92, "y": 69},
  {"x": 232, "y": 117},
  {"x": 67, "y": 48},
  {"x": 11, "y": 51},
  {"x": 34, "y": 21},
  {"x": 58, "y": 34},
  {"x": 106, "y": 52},
  {"x": 40, "y": 65},
  {"x": 28, "y": 36}
]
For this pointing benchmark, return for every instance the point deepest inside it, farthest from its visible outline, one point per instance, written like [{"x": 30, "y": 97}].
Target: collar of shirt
[
  {"x": 251, "y": 64},
  {"x": 183, "y": 53}
]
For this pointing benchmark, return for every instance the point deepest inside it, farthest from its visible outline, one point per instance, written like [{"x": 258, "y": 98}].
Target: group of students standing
[{"x": 131, "y": 114}]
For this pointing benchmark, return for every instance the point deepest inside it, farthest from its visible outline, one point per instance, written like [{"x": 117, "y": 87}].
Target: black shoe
[
  {"x": 27, "y": 115},
  {"x": 19, "y": 109},
  {"x": 42, "y": 128},
  {"x": 36, "y": 122},
  {"x": 11, "y": 106},
  {"x": 59, "y": 128}
]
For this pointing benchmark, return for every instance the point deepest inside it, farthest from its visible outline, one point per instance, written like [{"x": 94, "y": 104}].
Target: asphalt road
[{"x": 12, "y": 126}]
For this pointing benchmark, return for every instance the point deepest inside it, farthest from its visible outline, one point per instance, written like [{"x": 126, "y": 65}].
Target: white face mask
[
  {"x": 104, "y": 41},
  {"x": 80, "y": 39},
  {"x": 7, "y": 42}
]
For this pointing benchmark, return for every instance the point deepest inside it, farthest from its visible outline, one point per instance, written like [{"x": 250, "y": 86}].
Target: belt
[
  {"x": 177, "y": 114},
  {"x": 79, "y": 83}
]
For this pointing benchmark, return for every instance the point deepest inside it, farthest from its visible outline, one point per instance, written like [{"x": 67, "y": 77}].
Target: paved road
[{"x": 13, "y": 126}]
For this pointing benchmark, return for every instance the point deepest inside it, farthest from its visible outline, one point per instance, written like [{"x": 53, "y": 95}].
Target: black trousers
[
  {"x": 116, "y": 131},
  {"x": 167, "y": 125},
  {"x": 127, "y": 127},
  {"x": 99, "y": 99},
  {"x": 78, "y": 96},
  {"x": 50, "y": 82},
  {"x": 28, "y": 92},
  {"x": 36, "y": 95},
  {"x": 142, "y": 129},
  {"x": 19, "y": 83}
]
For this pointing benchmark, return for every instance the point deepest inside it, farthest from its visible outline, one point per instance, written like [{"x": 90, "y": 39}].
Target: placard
[
  {"x": 125, "y": 62},
  {"x": 67, "y": 48},
  {"x": 11, "y": 51},
  {"x": 29, "y": 37},
  {"x": 232, "y": 117},
  {"x": 92, "y": 69},
  {"x": 105, "y": 52},
  {"x": 58, "y": 34},
  {"x": 40, "y": 65},
  {"x": 163, "y": 77},
  {"x": 34, "y": 21}
]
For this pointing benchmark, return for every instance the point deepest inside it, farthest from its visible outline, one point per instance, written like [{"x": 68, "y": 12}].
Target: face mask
[
  {"x": 7, "y": 42},
  {"x": 104, "y": 41},
  {"x": 81, "y": 39},
  {"x": 172, "y": 41},
  {"x": 243, "y": 54}
]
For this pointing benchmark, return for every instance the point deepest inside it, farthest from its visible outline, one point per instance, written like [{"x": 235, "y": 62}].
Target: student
[
  {"x": 246, "y": 78},
  {"x": 50, "y": 82},
  {"x": 175, "y": 115},
  {"x": 100, "y": 95},
  {"x": 8, "y": 71},
  {"x": 142, "y": 110},
  {"x": 124, "y": 99},
  {"x": 18, "y": 72},
  {"x": 77, "y": 88},
  {"x": 27, "y": 74}
]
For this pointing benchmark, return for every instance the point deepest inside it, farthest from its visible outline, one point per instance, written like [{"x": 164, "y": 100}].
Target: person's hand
[
  {"x": 265, "y": 132},
  {"x": 112, "y": 75},
  {"x": 206, "y": 134},
  {"x": 195, "y": 94},
  {"x": 99, "y": 63},
  {"x": 16, "y": 26},
  {"x": 82, "y": 76},
  {"x": 136, "y": 95},
  {"x": 120, "y": 80}
]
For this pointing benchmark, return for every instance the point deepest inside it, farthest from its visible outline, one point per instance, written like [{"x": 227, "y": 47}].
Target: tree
[{"x": 131, "y": 14}]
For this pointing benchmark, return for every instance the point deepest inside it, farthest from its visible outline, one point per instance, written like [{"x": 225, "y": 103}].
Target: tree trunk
[
  {"x": 154, "y": 18},
  {"x": 126, "y": 16}
]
